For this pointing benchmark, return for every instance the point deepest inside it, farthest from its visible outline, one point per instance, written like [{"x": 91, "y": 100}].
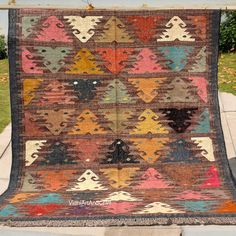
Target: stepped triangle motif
[
  {"x": 200, "y": 61},
  {"x": 179, "y": 171},
  {"x": 181, "y": 151},
  {"x": 120, "y": 178},
  {"x": 120, "y": 207},
  {"x": 29, "y": 87},
  {"x": 9, "y": 210},
  {"x": 58, "y": 154},
  {"x": 203, "y": 125},
  {"x": 115, "y": 58},
  {"x": 119, "y": 153},
  {"x": 56, "y": 93},
  {"x": 118, "y": 118},
  {"x": 176, "y": 29},
  {"x": 200, "y": 23},
  {"x": 158, "y": 207},
  {"x": 150, "y": 149},
  {"x": 147, "y": 87},
  {"x": 146, "y": 62},
  {"x": 87, "y": 124},
  {"x": 56, "y": 179},
  {"x": 36, "y": 210},
  {"x": 30, "y": 183},
  {"x": 152, "y": 179},
  {"x": 191, "y": 195},
  {"x": 114, "y": 30},
  {"x": 53, "y": 58},
  {"x": 205, "y": 143},
  {"x": 88, "y": 181},
  {"x": 55, "y": 120},
  {"x": 29, "y": 65},
  {"x": 84, "y": 63},
  {"x": 31, "y": 125},
  {"x": 121, "y": 196},
  {"x": 176, "y": 56},
  {"x": 197, "y": 206},
  {"x": 44, "y": 205},
  {"x": 179, "y": 119},
  {"x": 32, "y": 149},
  {"x": 179, "y": 91},
  {"x": 145, "y": 26},
  {"x": 86, "y": 150},
  {"x": 201, "y": 84},
  {"x": 116, "y": 92},
  {"x": 28, "y": 25},
  {"x": 53, "y": 29},
  {"x": 83, "y": 27},
  {"x": 85, "y": 89},
  {"x": 227, "y": 207},
  {"x": 148, "y": 122}
]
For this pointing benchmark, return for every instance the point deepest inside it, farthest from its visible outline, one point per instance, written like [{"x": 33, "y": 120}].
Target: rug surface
[{"x": 116, "y": 119}]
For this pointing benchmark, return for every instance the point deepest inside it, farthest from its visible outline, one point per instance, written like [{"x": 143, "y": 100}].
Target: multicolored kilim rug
[{"x": 116, "y": 119}]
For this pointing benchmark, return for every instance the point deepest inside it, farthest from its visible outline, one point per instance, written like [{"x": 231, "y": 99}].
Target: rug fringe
[{"x": 123, "y": 222}]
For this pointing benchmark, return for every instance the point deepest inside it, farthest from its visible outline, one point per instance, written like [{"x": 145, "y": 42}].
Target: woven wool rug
[{"x": 116, "y": 120}]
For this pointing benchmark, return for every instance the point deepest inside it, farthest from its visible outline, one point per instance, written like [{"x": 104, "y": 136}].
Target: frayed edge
[{"x": 123, "y": 222}]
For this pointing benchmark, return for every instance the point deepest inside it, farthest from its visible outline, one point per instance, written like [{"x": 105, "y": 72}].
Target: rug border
[
  {"x": 228, "y": 174},
  {"x": 179, "y": 219},
  {"x": 14, "y": 103}
]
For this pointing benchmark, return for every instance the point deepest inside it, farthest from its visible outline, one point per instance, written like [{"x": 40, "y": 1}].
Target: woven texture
[{"x": 116, "y": 119}]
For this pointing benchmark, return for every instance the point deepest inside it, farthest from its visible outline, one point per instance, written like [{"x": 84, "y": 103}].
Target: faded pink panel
[
  {"x": 201, "y": 84},
  {"x": 152, "y": 179},
  {"x": 28, "y": 64},
  {"x": 53, "y": 30},
  {"x": 212, "y": 178},
  {"x": 146, "y": 63}
]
